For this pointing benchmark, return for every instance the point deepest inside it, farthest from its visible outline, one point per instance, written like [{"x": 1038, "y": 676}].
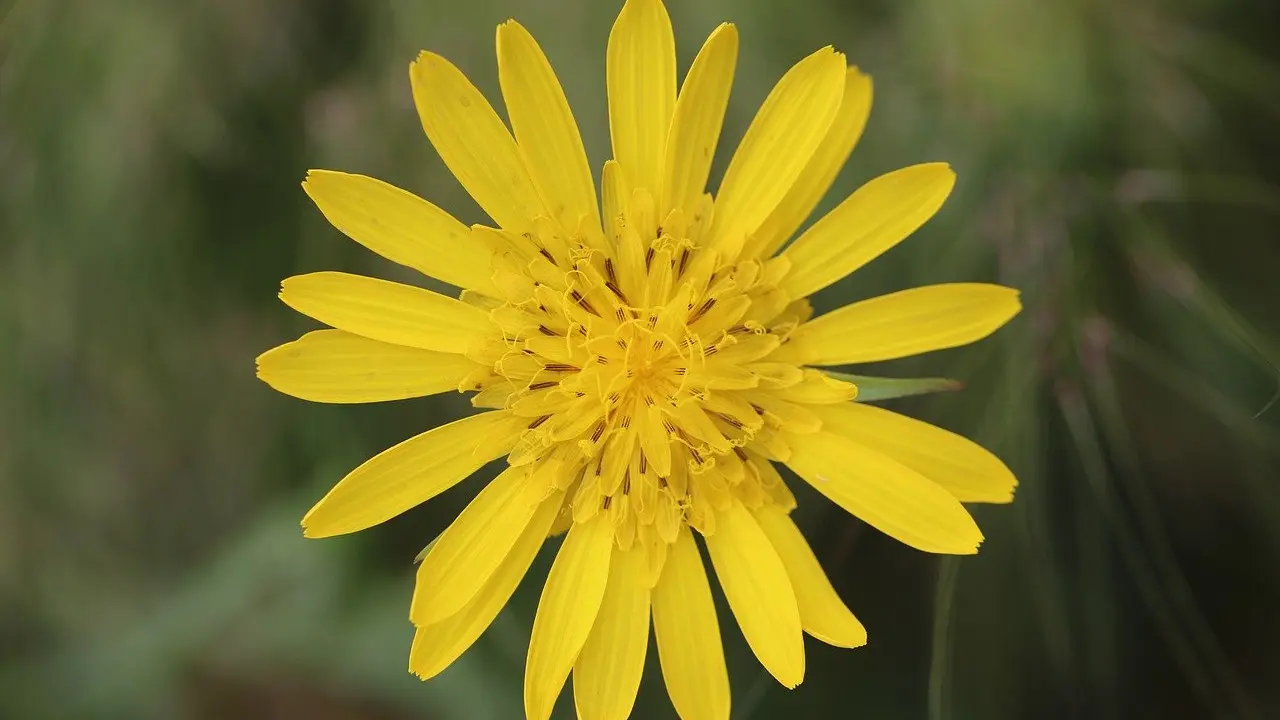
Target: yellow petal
[
  {"x": 474, "y": 143},
  {"x": 401, "y": 227},
  {"x": 822, "y": 613},
  {"x": 545, "y": 130},
  {"x": 641, "y": 70},
  {"x": 688, "y": 633},
  {"x": 334, "y": 366},
  {"x": 408, "y": 474},
  {"x": 613, "y": 194},
  {"x": 873, "y": 219},
  {"x": 566, "y": 611},
  {"x": 472, "y": 548},
  {"x": 787, "y": 415},
  {"x": 386, "y": 311},
  {"x": 967, "y": 470},
  {"x": 904, "y": 323},
  {"x": 759, "y": 593},
  {"x": 436, "y": 646},
  {"x": 823, "y": 167},
  {"x": 696, "y": 122},
  {"x": 777, "y": 145},
  {"x": 818, "y": 388},
  {"x": 886, "y": 494},
  {"x": 607, "y": 673}
]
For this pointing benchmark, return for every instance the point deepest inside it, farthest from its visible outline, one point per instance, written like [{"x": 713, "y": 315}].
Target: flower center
[{"x": 636, "y": 363}]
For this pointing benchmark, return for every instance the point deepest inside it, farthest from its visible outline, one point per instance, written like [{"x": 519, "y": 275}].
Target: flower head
[{"x": 643, "y": 358}]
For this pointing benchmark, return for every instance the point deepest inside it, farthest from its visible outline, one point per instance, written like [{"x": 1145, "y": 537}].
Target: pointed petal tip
[
  {"x": 854, "y": 641},
  {"x": 1014, "y": 296},
  {"x": 425, "y": 61},
  {"x": 826, "y": 54},
  {"x": 312, "y": 530},
  {"x": 507, "y": 26},
  {"x": 420, "y": 667},
  {"x": 308, "y": 523},
  {"x": 257, "y": 362},
  {"x": 425, "y": 675},
  {"x": 1008, "y": 496},
  {"x": 315, "y": 176},
  {"x": 792, "y": 677},
  {"x": 939, "y": 166},
  {"x": 728, "y": 29}
]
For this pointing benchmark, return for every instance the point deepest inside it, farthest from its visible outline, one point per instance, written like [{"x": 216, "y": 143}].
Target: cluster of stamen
[{"x": 636, "y": 364}]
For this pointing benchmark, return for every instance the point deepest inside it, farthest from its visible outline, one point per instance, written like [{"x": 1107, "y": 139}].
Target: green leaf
[
  {"x": 871, "y": 389},
  {"x": 418, "y": 558}
]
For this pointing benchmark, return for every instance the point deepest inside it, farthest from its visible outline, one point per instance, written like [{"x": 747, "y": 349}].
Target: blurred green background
[{"x": 1117, "y": 161}]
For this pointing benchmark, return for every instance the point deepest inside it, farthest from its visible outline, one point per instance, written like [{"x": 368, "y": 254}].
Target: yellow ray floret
[{"x": 644, "y": 360}]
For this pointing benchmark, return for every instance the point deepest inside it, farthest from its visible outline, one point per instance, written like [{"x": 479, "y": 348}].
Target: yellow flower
[{"x": 643, "y": 360}]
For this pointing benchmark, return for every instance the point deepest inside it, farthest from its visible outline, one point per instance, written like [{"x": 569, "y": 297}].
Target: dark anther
[
  {"x": 702, "y": 310},
  {"x": 613, "y": 288},
  {"x": 582, "y": 302},
  {"x": 730, "y": 420}
]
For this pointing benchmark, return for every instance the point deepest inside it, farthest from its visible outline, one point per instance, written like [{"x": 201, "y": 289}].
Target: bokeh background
[{"x": 1117, "y": 161}]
